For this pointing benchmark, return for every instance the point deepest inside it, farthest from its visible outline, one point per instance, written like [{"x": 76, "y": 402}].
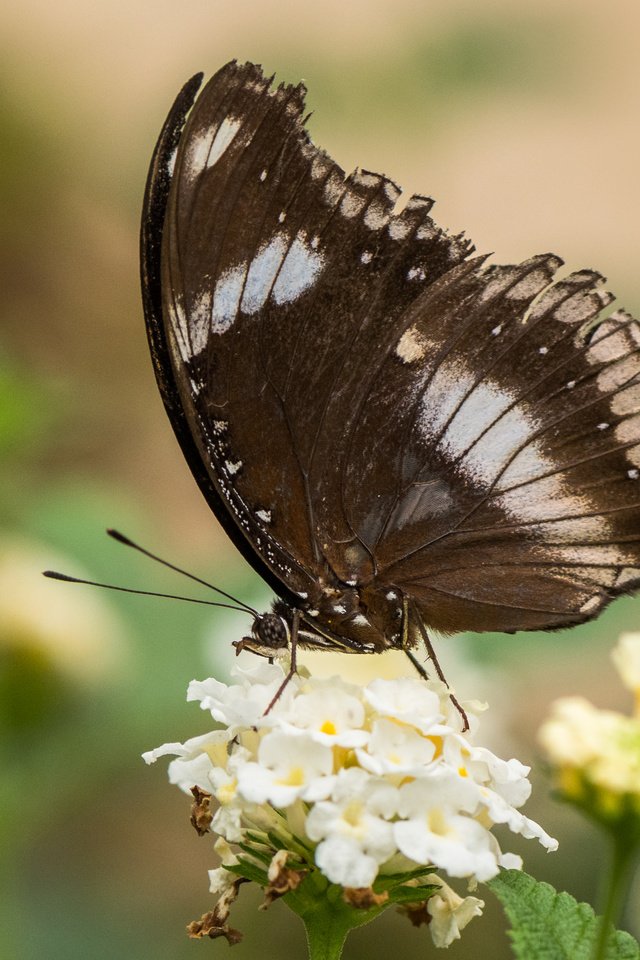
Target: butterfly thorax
[{"x": 365, "y": 620}]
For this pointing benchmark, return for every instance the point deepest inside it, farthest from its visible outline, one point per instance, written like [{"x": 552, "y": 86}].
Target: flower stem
[
  {"x": 623, "y": 855},
  {"x": 326, "y": 917}
]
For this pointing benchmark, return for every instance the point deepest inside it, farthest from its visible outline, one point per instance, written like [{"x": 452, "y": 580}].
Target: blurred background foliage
[{"x": 523, "y": 122}]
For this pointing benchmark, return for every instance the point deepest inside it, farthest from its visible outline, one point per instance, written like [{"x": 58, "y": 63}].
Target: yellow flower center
[
  {"x": 226, "y": 792},
  {"x": 295, "y": 778},
  {"x": 351, "y": 814},
  {"x": 328, "y": 727}
]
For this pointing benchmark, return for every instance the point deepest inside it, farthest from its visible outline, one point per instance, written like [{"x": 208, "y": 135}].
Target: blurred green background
[{"x": 522, "y": 120}]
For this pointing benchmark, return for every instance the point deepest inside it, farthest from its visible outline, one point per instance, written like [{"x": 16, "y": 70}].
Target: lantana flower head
[
  {"x": 595, "y": 754},
  {"x": 372, "y": 788}
]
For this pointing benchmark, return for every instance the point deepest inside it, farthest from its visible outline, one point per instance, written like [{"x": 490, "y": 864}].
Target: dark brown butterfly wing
[{"x": 362, "y": 404}]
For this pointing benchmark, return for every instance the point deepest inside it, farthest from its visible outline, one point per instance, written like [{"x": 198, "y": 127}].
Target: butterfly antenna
[
  {"x": 120, "y": 537},
  {"x": 55, "y": 575}
]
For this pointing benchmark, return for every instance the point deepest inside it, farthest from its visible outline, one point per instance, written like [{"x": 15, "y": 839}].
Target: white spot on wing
[
  {"x": 264, "y": 515},
  {"x": 411, "y": 346},
  {"x": 299, "y": 271},
  {"x": 226, "y": 298},
  {"x": 262, "y": 272},
  {"x": 415, "y": 273},
  {"x": 366, "y": 257},
  {"x": 233, "y": 467}
]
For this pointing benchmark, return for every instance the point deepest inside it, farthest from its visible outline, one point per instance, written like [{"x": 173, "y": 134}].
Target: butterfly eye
[{"x": 271, "y": 631}]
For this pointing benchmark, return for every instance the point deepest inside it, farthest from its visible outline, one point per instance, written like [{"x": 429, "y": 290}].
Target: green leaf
[
  {"x": 412, "y": 894},
  {"x": 547, "y": 925},
  {"x": 244, "y": 868}
]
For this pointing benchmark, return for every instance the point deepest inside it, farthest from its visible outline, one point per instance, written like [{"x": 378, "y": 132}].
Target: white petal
[{"x": 342, "y": 861}]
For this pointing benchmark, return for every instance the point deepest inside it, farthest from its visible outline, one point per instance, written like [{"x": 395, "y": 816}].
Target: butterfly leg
[
  {"x": 432, "y": 656},
  {"x": 295, "y": 622}
]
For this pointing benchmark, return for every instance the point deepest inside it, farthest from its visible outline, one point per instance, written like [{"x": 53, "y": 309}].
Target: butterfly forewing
[{"x": 364, "y": 405}]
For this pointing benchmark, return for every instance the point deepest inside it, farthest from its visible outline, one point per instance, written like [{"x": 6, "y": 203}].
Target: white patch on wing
[
  {"x": 299, "y": 271},
  {"x": 582, "y": 530},
  {"x": 546, "y": 497},
  {"x": 491, "y": 437},
  {"x": 171, "y": 162},
  {"x": 411, "y": 346},
  {"x": 493, "y": 451},
  {"x": 262, "y": 272},
  {"x": 528, "y": 286},
  {"x": 592, "y": 604},
  {"x": 628, "y": 431},
  {"x": 367, "y": 180},
  {"x": 199, "y": 321},
  {"x": 226, "y": 298},
  {"x": 627, "y": 576},
  {"x": 392, "y": 190},
  {"x": 319, "y": 166},
  {"x": 627, "y": 401},
  {"x": 398, "y": 229},
  {"x": 484, "y": 404},
  {"x": 225, "y": 135},
  {"x": 264, "y": 515},
  {"x": 179, "y": 327},
  {"x": 333, "y": 189},
  {"x": 351, "y": 205},
  {"x": 449, "y": 384},
  {"x": 375, "y": 216},
  {"x": 197, "y": 154},
  {"x": 427, "y": 231}
]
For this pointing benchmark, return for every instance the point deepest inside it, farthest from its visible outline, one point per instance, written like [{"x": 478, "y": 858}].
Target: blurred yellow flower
[
  {"x": 72, "y": 632},
  {"x": 626, "y": 657},
  {"x": 596, "y": 753}
]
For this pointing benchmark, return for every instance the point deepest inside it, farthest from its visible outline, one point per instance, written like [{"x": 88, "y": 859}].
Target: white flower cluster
[{"x": 375, "y": 779}]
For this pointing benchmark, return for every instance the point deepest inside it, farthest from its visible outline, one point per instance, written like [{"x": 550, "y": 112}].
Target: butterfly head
[{"x": 269, "y": 636}]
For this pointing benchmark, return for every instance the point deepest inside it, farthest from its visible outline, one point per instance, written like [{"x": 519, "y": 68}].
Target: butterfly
[{"x": 396, "y": 434}]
